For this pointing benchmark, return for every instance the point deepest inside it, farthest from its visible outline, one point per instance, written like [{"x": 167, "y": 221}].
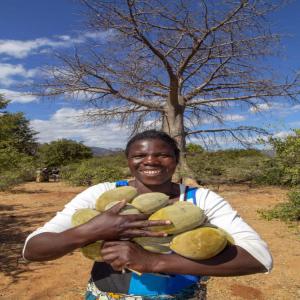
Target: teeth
[{"x": 151, "y": 172}]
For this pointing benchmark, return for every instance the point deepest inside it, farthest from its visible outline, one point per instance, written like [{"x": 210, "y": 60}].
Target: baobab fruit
[
  {"x": 200, "y": 243},
  {"x": 126, "y": 193},
  {"x": 83, "y": 215},
  {"x": 183, "y": 218},
  {"x": 128, "y": 209},
  {"x": 150, "y": 202},
  {"x": 155, "y": 244}
]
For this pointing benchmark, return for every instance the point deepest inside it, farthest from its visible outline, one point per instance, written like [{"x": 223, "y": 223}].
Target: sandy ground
[{"x": 31, "y": 204}]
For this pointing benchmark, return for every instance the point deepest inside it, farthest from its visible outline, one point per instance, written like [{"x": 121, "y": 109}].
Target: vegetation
[
  {"x": 284, "y": 169},
  {"x": 17, "y": 148},
  {"x": 62, "y": 152},
  {"x": 96, "y": 170},
  {"x": 227, "y": 166},
  {"x": 288, "y": 211}
]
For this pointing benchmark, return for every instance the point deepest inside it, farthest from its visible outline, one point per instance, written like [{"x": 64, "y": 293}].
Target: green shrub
[
  {"x": 15, "y": 168},
  {"x": 227, "y": 166},
  {"x": 284, "y": 168},
  {"x": 270, "y": 173},
  {"x": 92, "y": 171},
  {"x": 10, "y": 178},
  {"x": 289, "y": 211}
]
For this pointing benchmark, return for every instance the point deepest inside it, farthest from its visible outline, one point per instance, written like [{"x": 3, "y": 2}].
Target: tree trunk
[{"x": 173, "y": 124}]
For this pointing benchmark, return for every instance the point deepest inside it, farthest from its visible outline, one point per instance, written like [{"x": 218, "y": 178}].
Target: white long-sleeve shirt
[{"x": 218, "y": 212}]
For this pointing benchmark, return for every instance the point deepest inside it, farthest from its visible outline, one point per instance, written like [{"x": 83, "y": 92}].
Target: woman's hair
[{"x": 154, "y": 134}]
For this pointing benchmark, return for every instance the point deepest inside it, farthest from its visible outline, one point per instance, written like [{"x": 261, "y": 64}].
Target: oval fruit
[
  {"x": 150, "y": 202},
  {"x": 155, "y": 244},
  {"x": 200, "y": 243},
  {"x": 83, "y": 215},
  {"x": 128, "y": 209},
  {"x": 93, "y": 251},
  {"x": 126, "y": 193},
  {"x": 183, "y": 218}
]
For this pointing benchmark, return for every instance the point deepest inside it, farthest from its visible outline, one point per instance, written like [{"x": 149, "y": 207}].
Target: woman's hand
[
  {"x": 127, "y": 255},
  {"x": 110, "y": 225}
]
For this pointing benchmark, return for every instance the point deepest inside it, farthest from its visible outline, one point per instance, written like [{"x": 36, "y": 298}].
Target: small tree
[
  {"x": 194, "y": 148},
  {"x": 62, "y": 152},
  {"x": 15, "y": 131},
  {"x": 17, "y": 148},
  {"x": 288, "y": 157}
]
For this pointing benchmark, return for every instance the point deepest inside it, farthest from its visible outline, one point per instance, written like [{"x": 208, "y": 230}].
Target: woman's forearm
[
  {"x": 49, "y": 245},
  {"x": 233, "y": 261}
]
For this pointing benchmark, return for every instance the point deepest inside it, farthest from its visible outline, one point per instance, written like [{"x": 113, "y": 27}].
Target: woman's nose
[{"x": 150, "y": 159}]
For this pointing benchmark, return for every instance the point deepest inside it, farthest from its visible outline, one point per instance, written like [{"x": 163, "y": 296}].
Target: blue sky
[{"x": 31, "y": 29}]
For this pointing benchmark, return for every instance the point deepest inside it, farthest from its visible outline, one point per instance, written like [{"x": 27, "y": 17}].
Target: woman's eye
[{"x": 138, "y": 156}]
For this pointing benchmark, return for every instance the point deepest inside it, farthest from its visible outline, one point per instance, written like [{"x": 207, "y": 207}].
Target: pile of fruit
[{"x": 188, "y": 234}]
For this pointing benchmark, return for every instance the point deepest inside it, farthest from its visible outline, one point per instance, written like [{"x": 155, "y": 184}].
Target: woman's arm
[
  {"x": 232, "y": 261},
  {"x": 107, "y": 226}
]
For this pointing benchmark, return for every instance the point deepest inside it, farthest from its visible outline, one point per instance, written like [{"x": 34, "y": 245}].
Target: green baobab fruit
[
  {"x": 93, "y": 251},
  {"x": 155, "y": 244},
  {"x": 126, "y": 193},
  {"x": 83, "y": 215},
  {"x": 200, "y": 243},
  {"x": 150, "y": 202},
  {"x": 128, "y": 209},
  {"x": 183, "y": 218}
]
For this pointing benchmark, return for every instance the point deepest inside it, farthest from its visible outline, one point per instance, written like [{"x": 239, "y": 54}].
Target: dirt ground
[{"x": 30, "y": 205}]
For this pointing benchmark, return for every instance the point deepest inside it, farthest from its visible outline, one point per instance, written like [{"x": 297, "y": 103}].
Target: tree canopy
[
  {"x": 62, "y": 152},
  {"x": 15, "y": 131},
  {"x": 174, "y": 64}
]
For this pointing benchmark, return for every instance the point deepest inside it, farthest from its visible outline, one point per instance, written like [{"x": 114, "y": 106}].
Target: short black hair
[{"x": 154, "y": 134}]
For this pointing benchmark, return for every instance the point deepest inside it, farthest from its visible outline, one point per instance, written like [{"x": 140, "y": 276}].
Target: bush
[
  {"x": 289, "y": 211},
  {"x": 15, "y": 168},
  {"x": 92, "y": 171},
  {"x": 227, "y": 166},
  {"x": 284, "y": 168},
  {"x": 271, "y": 173}
]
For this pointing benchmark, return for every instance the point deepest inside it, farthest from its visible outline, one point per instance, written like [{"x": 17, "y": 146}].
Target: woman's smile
[{"x": 151, "y": 172}]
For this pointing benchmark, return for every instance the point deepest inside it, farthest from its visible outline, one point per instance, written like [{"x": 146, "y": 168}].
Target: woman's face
[{"x": 151, "y": 161}]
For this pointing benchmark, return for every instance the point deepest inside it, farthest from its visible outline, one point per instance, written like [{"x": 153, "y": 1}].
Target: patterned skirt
[{"x": 194, "y": 292}]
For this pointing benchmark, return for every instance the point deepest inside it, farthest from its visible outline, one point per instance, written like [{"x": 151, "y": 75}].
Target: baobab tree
[{"x": 174, "y": 64}]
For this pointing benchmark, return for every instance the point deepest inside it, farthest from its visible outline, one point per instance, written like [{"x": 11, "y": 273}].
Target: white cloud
[
  {"x": 212, "y": 120},
  {"x": 65, "y": 123},
  {"x": 283, "y": 134},
  {"x": 260, "y": 107},
  {"x": 21, "y": 49},
  {"x": 10, "y": 73},
  {"x": 296, "y": 108},
  {"x": 234, "y": 118},
  {"x": 17, "y": 96}
]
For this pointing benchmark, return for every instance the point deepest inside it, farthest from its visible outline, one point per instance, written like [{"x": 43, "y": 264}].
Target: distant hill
[
  {"x": 268, "y": 152},
  {"x": 98, "y": 151}
]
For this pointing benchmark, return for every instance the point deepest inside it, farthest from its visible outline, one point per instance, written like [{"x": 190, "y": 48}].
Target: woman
[{"x": 152, "y": 158}]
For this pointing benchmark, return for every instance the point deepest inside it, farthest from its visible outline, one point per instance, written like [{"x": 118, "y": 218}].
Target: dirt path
[{"x": 31, "y": 204}]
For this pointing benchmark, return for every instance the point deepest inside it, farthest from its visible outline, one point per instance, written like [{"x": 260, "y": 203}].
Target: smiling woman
[{"x": 152, "y": 159}]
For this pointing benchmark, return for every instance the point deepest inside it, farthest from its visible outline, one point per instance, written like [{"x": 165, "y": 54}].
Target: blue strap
[
  {"x": 121, "y": 183},
  {"x": 190, "y": 194}
]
